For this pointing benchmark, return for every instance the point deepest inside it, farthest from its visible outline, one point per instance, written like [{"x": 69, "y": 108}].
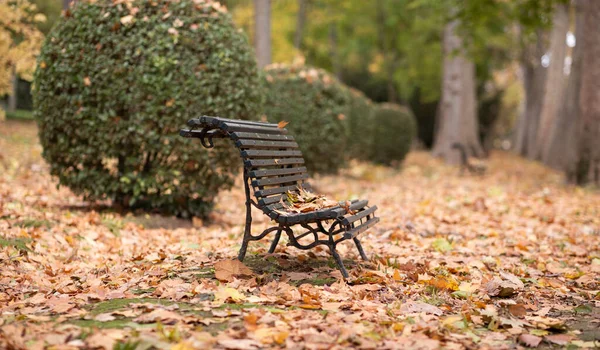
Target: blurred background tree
[{"x": 20, "y": 42}]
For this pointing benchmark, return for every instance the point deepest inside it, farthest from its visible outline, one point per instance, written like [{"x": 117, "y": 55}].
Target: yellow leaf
[
  {"x": 182, "y": 346},
  {"x": 126, "y": 19},
  {"x": 224, "y": 294}
]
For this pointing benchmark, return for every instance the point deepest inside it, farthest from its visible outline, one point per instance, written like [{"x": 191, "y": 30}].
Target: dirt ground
[{"x": 505, "y": 260}]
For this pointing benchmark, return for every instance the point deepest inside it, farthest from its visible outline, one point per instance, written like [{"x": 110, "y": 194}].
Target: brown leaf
[
  {"x": 530, "y": 340},
  {"x": 282, "y": 124},
  {"x": 87, "y": 81},
  {"x": 227, "y": 270},
  {"x": 517, "y": 310},
  {"x": 559, "y": 339},
  {"x": 417, "y": 307},
  {"x": 162, "y": 315}
]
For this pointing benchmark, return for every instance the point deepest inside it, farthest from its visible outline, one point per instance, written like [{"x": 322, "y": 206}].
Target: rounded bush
[
  {"x": 395, "y": 128},
  {"x": 361, "y": 125},
  {"x": 116, "y": 81},
  {"x": 316, "y": 105}
]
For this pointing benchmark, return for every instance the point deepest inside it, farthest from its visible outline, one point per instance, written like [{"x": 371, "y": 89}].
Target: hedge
[
  {"x": 395, "y": 128},
  {"x": 316, "y": 106},
  {"x": 114, "y": 83}
]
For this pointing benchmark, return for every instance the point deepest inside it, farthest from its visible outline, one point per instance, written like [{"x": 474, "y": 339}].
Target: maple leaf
[
  {"x": 282, "y": 124},
  {"x": 227, "y": 270}
]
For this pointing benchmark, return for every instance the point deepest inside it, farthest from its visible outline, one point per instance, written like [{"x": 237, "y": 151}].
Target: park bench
[{"x": 273, "y": 165}]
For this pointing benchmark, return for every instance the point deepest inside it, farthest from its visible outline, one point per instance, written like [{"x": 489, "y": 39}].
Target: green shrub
[
  {"x": 115, "y": 82},
  {"x": 361, "y": 125},
  {"x": 395, "y": 128},
  {"x": 316, "y": 105}
]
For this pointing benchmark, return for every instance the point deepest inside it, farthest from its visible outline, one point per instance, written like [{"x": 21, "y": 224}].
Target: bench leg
[
  {"x": 361, "y": 251},
  {"x": 275, "y": 241},
  {"x": 339, "y": 261}
]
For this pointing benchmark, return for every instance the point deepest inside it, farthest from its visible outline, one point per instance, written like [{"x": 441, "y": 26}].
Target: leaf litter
[{"x": 502, "y": 260}]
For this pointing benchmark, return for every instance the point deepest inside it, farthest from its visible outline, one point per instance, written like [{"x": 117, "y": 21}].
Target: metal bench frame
[{"x": 345, "y": 221}]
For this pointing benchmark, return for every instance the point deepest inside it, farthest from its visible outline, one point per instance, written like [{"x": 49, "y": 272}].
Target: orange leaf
[{"x": 282, "y": 124}]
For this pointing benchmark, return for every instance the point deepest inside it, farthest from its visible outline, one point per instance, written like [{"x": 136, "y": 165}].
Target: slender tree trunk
[
  {"x": 300, "y": 22},
  {"x": 458, "y": 111},
  {"x": 12, "y": 98},
  {"x": 262, "y": 31},
  {"x": 563, "y": 145},
  {"x": 588, "y": 169},
  {"x": 333, "y": 51},
  {"x": 534, "y": 77},
  {"x": 555, "y": 85}
]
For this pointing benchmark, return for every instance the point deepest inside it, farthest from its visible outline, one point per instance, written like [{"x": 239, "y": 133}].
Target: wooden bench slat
[
  {"x": 207, "y": 120},
  {"x": 260, "y": 136},
  {"x": 279, "y": 180},
  {"x": 234, "y": 127},
  {"x": 361, "y": 214},
  {"x": 252, "y": 144},
  {"x": 275, "y": 190},
  {"x": 355, "y": 231},
  {"x": 277, "y": 172},
  {"x": 271, "y": 154},
  {"x": 270, "y": 162}
]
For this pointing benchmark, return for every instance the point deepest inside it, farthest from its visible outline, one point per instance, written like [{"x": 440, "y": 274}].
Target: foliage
[
  {"x": 115, "y": 82},
  {"x": 316, "y": 105},
  {"x": 395, "y": 128},
  {"x": 361, "y": 125},
  {"x": 20, "y": 41}
]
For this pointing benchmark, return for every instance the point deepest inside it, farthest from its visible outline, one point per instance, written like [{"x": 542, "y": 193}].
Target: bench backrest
[{"x": 272, "y": 159}]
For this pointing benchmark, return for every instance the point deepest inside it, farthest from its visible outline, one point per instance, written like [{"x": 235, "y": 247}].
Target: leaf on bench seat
[{"x": 303, "y": 201}]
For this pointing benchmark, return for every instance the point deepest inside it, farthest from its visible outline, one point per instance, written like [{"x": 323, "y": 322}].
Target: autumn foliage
[
  {"x": 115, "y": 82},
  {"x": 20, "y": 42}
]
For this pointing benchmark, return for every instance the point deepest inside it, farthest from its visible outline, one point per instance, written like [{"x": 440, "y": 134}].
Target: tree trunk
[
  {"x": 554, "y": 91},
  {"x": 333, "y": 51},
  {"x": 12, "y": 98},
  {"x": 588, "y": 169},
  {"x": 262, "y": 31},
  {"x": 458, "y": 111},
  {"x": 534, "y": 77},
  {"x": 300, "y": 21},
  {"x": 563, "y": 145}
]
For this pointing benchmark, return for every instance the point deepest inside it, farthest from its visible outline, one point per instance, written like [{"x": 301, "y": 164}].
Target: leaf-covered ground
[{"x": 511, "y": 258}]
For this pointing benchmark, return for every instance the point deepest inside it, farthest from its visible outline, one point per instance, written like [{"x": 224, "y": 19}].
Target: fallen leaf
[
  {"x": 104, "y": 317},
  {"x": 126, "y": 19},
  {"x": 529, "y": 340},
  {"x": 282, "y": 124},
  {"x": 559, "y": 339},
  {"x": 416, "y": 307},
  {"x": 227, "y": 270},
  {"x": 517, "y": 310}
]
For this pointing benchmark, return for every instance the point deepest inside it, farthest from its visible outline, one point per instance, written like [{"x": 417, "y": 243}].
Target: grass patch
[
  {"x": 18, "y": 243},
  {"x": 33, "y": 223},
  {"x": 119, "y": 324},
  {"x": 20, "y": 114},
  {"x": 113, "y": 225}
]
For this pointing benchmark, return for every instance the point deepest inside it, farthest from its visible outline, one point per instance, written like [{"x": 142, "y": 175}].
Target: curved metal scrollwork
[{"x": 202, "y": 137}]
